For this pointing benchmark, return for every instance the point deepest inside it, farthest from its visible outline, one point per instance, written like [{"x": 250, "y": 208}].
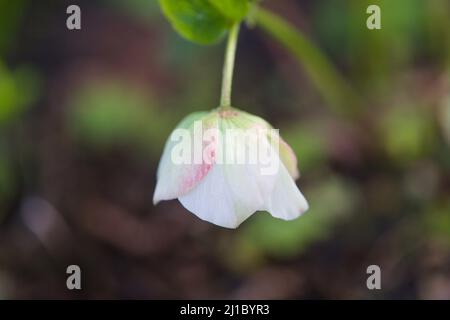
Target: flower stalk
[{"x": 228, "y": 67}]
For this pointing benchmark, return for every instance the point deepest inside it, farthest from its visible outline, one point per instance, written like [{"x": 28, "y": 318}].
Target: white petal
[
  {"x": 229, "y": 194},
  {"x": 287, "y": 155},
  {"x": 286, "y": 201},
  {"x": 173, "y": 179}
]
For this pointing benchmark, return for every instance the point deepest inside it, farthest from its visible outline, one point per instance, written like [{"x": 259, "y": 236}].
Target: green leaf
[
  {"x": 204, "y": 21},
  {"x": 233, "y": 9},
  {"x": 196, "y": 20}
]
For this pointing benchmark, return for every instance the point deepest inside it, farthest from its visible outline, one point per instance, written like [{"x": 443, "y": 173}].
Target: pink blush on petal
[
  {"x": 191, "y": 180},
  {"x": 194, "y": 173}
]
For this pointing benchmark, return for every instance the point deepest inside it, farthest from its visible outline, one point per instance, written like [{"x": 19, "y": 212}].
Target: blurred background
[{"x": 84, "y": 116}]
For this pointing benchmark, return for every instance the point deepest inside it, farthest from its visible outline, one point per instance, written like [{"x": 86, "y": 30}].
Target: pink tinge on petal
[
  {"x": 191, "y": 180},
  {"x": 175, "y": 179},
  {"x": 199, "y": 171},
  {"x": 228, "y": 113}
]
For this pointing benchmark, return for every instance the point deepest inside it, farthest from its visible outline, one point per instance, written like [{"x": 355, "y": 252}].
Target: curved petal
[
  {"x": 175, "y": 179},
  {"x": 231, "y": 192},
  {"x": 228, "y": 195},
  {"x": 289, "y": 159},
  {"x": 287, "y": 155},
  {"x": 214, "y": 201},
  {"x": 286, "y": 201}
]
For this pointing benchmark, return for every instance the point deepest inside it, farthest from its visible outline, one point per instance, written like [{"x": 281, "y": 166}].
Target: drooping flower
[{"x": 225, "y": 165}]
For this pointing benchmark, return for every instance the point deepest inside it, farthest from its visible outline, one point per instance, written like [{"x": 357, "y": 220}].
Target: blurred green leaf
[
  {"x": 111, "y": 114},
  {"x": 9, "y": 96},
  {"x": 331, "y": 84},
  {"x": 444, "y": 118},
  {"x": 407, "y": 133},
  {"x": 379, "y": 56},
  {"x": 17, "y": 91},
  {"x": 232, "y": 9},
  {"x": 309, "y": 144},
  {"x": 437, "y": 221},
  {"x": 11, "y": 13}
]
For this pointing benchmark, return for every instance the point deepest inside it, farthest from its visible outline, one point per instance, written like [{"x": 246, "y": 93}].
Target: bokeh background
[{"x": 84, "y": 116}]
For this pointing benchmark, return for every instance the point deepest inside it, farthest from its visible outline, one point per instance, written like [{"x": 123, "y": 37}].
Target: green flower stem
[{"x": 228, "y": 67}]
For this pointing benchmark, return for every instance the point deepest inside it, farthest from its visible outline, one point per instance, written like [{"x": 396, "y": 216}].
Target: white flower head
[{"x": 227, "y": 164}]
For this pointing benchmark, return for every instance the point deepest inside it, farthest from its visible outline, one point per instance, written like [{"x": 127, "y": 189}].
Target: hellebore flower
[{"x": 226, "y": 164}]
